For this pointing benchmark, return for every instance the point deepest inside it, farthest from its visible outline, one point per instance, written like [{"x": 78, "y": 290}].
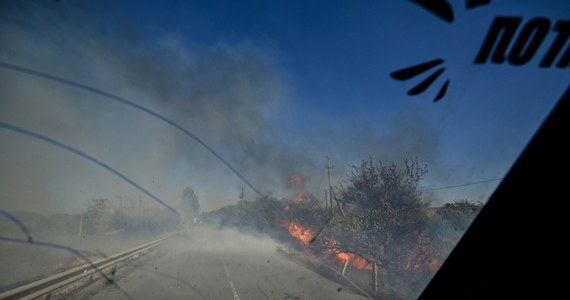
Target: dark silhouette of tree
[
  {"x": 458, "y": 215},
  {"x": 190, "y": 203},
  {"x": 384, "y": 219},
  {"x": 98, "y": 217}
]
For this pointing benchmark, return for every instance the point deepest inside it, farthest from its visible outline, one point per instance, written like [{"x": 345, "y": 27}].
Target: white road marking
[{"x": 234, "y": 291}]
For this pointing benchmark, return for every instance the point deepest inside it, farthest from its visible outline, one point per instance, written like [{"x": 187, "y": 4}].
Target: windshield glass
[{"x": 272, "y": 149}]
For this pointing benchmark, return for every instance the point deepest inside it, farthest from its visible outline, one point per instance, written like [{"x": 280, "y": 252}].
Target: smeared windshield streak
[
  {"x": 73, "y": 150},
  {"x": 72, "y": 251},
  {"x": 107, "y": 95},
  {"x": 16, "y": 221}
]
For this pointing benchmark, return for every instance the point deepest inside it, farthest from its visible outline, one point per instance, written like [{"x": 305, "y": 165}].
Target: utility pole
[
  {"x": 81, "y": 225},
  {"x": 339, "y": 206},
  {"x": 331, "y": 192},
  {"x": 375, "y": 278},
  {"x": 241, "y": 195},
  {"x": 329, "y": 167}
]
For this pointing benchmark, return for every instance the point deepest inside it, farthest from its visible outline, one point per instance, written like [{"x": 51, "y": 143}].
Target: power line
[{"x": 462, "y": 185}]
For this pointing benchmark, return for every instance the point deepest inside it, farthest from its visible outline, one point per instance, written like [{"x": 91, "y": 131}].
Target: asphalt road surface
[{"x": 209, "y": 263}]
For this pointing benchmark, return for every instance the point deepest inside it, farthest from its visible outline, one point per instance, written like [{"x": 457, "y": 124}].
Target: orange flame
[
  {"x": 304, "y": 235},
  {"x": 419, "y": 259},
  {"x": 341, "y": 257},
  {"x": 354, "y": 261}
]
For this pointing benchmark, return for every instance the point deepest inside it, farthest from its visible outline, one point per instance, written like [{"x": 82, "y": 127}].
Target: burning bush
[{"x": 384, "y": 222}]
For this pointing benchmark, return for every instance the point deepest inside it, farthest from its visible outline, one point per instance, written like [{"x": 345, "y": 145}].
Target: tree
[
  {"x": 374, "y": 185},
  {"x": 258, "y": 215},
  {"x": 458, "y": 215},
  {"x": 308, "y": 211},
  {"x": 190, "y": 203},
  {"x": 99, "y": 216},
  {"x": 384, "y": 222}
]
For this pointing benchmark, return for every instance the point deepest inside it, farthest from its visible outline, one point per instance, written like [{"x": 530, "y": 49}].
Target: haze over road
[{"x": 210, "y": 263}]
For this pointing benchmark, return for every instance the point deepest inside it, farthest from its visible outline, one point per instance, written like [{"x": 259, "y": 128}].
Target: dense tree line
[{"x": 103, "y": 216}]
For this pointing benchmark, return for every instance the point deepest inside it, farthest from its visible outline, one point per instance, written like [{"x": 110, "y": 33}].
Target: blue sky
[{"x": 274, "y": 86}]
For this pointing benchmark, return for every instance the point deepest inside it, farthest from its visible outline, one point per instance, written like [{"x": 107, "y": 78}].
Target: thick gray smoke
[
  {"x": 224, "y": 94},
  {"x": 228, "y": 94}
]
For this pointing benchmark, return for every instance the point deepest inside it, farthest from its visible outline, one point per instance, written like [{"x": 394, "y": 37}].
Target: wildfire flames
[
  {"x": 341, "y": 257},
  {"x": 353, "y": 260},
  {"x": 419, "y": 258},
  {"x": 304, "y": 236}
]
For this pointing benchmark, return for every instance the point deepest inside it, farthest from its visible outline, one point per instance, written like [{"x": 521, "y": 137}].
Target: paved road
[{"x": 209, "y": 263}]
